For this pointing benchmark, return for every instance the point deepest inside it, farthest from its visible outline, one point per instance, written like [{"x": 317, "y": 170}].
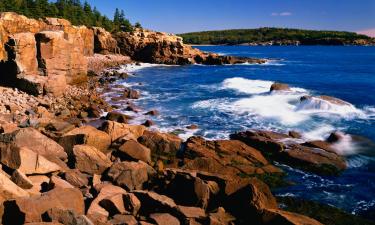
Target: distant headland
[{"x": 276, "y": 36}]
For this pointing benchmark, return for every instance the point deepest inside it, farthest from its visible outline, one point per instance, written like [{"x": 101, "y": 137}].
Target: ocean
[{"x": 229, "y": 98}]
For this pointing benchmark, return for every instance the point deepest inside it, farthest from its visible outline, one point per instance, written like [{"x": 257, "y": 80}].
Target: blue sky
[{"x": 178, "y": 16}]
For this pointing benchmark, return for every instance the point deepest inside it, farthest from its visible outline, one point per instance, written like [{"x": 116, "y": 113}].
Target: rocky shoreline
[{"x": 68, "y": 157}]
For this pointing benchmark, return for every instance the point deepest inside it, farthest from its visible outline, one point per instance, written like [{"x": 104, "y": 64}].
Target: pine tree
[{"x": 72, "y": 10}]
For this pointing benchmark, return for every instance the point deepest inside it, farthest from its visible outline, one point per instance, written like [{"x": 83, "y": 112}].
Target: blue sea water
[{"x": 225, "y": 99}]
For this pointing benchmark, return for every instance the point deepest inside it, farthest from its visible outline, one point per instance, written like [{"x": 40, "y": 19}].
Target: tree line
[
  {"x": 241, "y": 36},
  {"x": 75, "y": 11}
]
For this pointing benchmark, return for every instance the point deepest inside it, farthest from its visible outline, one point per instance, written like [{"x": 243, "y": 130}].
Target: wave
[
  {"x": 131, "y": 68},
  {"x": 318, "y": 105},
  {"x": 315, "y": 118},
  {"x": 247, "y": 86}
]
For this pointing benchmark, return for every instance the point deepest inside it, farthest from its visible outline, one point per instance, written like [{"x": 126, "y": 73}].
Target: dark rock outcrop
[{"x": 308, "y": 156}]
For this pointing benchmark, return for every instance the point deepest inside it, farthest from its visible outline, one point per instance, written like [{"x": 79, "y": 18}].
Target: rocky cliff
[
  {"x": 158, "y": 47},
  {"x": 43, "y": 56}
]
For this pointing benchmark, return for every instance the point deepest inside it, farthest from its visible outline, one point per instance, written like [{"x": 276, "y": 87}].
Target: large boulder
[
  {"x": 162, "y": 145},
  {"x": 96, "y": 212},
  {"x": 31, "y": 209},
  {"x": 87, "y": 135},
  {"x": 27, "y": 161},
  {"x": 33, "y": 140},
  {"x": 104, "y": 43},
  {"x": 90, "y": 160},
  {"x": 279, "y": 87},
  {"x": 118, "y": 131},
  {"x": 9, "y": 190},
  {"x": 131, "y": 175},
  {"x": 152, "y": 202},
  {"x": 197, "y": 192},
  {"x": 134, "y": 150},
  {"x": 230, "y": 157}
]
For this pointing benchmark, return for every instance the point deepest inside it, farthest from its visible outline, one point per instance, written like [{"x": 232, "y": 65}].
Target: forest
[
  {"x": 279, "y": 35},
  {"x": 75, "y": 11}
]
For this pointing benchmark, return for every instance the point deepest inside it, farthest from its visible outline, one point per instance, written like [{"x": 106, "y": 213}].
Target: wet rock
[
  {"x": 90, "y": 160},
  {"x": 276, "y": 147},
  {"x": 131, "y": 175},
  {"x": 131, "y": 93},
  {"x": 118, "y": 117},
  {"x": 294, "y": 134},
  {"x": 152, "y": 113},
  {"x": 18, "y": 210},
  {"x": 135, "y": 151},
  {"x": 329, "y": 99},
  {"x": 320, "y": 144},
  {"x": 279, "y": 87},
  {"x": 335, "y": 137},
  {"x": 280, "y": 217},
  {"x": 192, "y": 127},
  {"x": 148, "y": 123}
]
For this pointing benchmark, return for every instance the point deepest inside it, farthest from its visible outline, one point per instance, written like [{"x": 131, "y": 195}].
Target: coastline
[{"x": 69, "y": 155}]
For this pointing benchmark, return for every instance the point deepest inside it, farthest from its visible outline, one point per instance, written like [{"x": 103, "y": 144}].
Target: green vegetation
[
  {"x": 72, "y": 10},
  {"x": 278, "y": 35}
]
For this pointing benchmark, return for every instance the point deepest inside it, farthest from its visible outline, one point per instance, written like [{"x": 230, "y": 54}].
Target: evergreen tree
[
  {"x": 137, "y": 25},
  {"x": 72, "y": 10}
]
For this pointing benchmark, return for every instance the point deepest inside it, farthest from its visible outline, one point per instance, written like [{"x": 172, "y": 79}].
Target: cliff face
[
  {"x": 43, "y": 56},
  {"x": 157, "y": 47}
]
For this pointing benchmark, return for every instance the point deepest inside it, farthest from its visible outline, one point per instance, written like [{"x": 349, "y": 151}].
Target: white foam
[
  {"x": 273, "y": 106},
  {"x": 271, "y": 62},
  {"x": 319, "y": 133},
  {"x": 247, "y": 86},
  {"x": 345, "y": 146},
  {"x": 315, "y": 105},
  {"x": 131, "y": 68}
]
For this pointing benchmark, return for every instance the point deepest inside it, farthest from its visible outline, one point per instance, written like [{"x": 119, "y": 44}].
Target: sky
[{"x": 177, "y": 16}]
